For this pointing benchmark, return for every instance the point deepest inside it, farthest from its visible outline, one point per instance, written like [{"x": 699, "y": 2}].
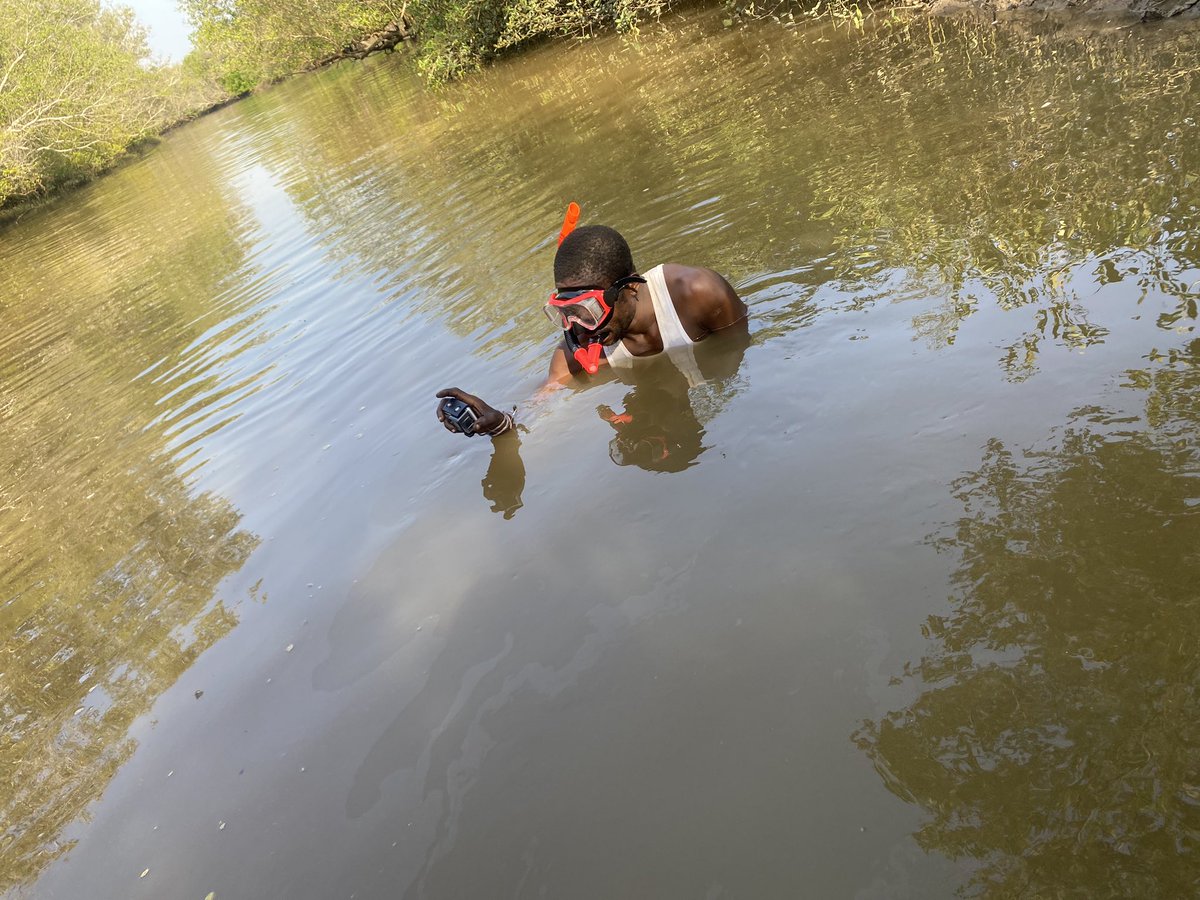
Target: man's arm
[{"x": 561, "y": 371}]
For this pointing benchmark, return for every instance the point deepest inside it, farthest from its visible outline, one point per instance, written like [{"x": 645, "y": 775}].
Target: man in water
[{"x": 610, "y": 315}]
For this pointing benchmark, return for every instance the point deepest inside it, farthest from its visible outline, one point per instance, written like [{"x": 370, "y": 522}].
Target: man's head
[
  {"x": 592, "y": 256},
  {"x": 596, "y": 256}
]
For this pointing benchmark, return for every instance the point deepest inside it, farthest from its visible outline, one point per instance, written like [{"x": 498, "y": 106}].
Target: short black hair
[{"x": 593, "y": 255}]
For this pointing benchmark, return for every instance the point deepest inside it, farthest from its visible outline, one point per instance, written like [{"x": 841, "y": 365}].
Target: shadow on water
[{"x": 1054, "y": 733}]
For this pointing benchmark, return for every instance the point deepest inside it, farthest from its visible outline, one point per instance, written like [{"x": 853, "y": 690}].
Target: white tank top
[{"x": 676, "y": 343}]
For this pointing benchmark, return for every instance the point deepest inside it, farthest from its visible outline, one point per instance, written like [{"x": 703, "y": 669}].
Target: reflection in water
[
  {"x": 107, "y": 602},
  {"x": 1056, "y": 734},
  {"x": 80, "y": 667},
  {"x": 660, "y": 428},
  {"x": 1047, "y": 182},
  {"x": 110, "y": 560},
  {"x": 504, "y": 480},
  {"x": 657, "y": 430}
]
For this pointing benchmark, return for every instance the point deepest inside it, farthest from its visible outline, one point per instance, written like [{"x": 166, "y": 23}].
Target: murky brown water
[{"x": 902, "y": 602}]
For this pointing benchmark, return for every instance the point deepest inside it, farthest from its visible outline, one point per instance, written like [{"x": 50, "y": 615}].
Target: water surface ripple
[{"x": 899, "y": 602}]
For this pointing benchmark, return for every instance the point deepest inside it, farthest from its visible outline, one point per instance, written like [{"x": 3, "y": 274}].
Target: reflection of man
[
  {"x": 657, "y": 431},
  {"x": 611, "y": 315}
]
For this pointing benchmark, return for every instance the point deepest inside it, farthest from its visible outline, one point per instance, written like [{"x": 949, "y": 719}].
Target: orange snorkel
[
  {"x": 587, "y": 356},
  {"x": 569, "y": 221}
]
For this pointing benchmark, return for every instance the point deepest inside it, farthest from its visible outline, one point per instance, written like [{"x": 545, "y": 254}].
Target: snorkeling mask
[
  {"x": 588, "y": 307},
  {"x": 583, "y": 312}
]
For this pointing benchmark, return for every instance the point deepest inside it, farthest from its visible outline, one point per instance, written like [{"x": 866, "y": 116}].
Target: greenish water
[{"x": 901, "y": 602}]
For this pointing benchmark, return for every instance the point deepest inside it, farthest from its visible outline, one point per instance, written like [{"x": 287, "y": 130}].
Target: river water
[{"x": 902, "y": 601}]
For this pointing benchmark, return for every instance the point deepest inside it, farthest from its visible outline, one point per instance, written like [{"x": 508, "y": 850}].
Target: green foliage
[
  {"x": 249, "y": 42},
  {"x": 77, "y": 88},
  {"x": 460, "y": 35},
  {"x": 245, "y": 43},
  {"x": 239, "y": 82}
]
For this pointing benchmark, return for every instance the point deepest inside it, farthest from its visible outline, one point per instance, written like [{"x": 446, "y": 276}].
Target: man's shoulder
[
  {"x": 690, "y": 282},
  {"x": 693, "y": 287},
  {"x": 697, "y": 288},
  {"x": 702, "y": 296}
]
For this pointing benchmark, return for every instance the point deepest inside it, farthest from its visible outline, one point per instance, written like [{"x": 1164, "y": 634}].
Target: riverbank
[{"x": 81, "y": 92}]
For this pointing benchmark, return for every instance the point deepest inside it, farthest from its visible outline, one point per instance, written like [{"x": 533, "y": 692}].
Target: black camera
[{"x": 459, "y": 415}]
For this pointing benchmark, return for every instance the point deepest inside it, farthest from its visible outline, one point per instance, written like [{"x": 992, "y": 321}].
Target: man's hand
[{"x": 488, "y": 418}]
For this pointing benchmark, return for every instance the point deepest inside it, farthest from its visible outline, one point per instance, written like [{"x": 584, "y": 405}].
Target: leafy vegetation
[
  {"x": 78, "y": 87},
  {"x": 244, "y": 43},
  {"x": 459, "y": 35},
  {"x": 248, "y": 42}
]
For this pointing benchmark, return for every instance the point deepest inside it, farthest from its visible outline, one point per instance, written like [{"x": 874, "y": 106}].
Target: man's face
[
  {"x": 623, "y": 307},
  {"x": 618, "y": 324}
]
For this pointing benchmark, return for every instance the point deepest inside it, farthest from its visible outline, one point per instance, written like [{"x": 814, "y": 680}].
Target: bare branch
[{"x": 12, "y": 65}]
